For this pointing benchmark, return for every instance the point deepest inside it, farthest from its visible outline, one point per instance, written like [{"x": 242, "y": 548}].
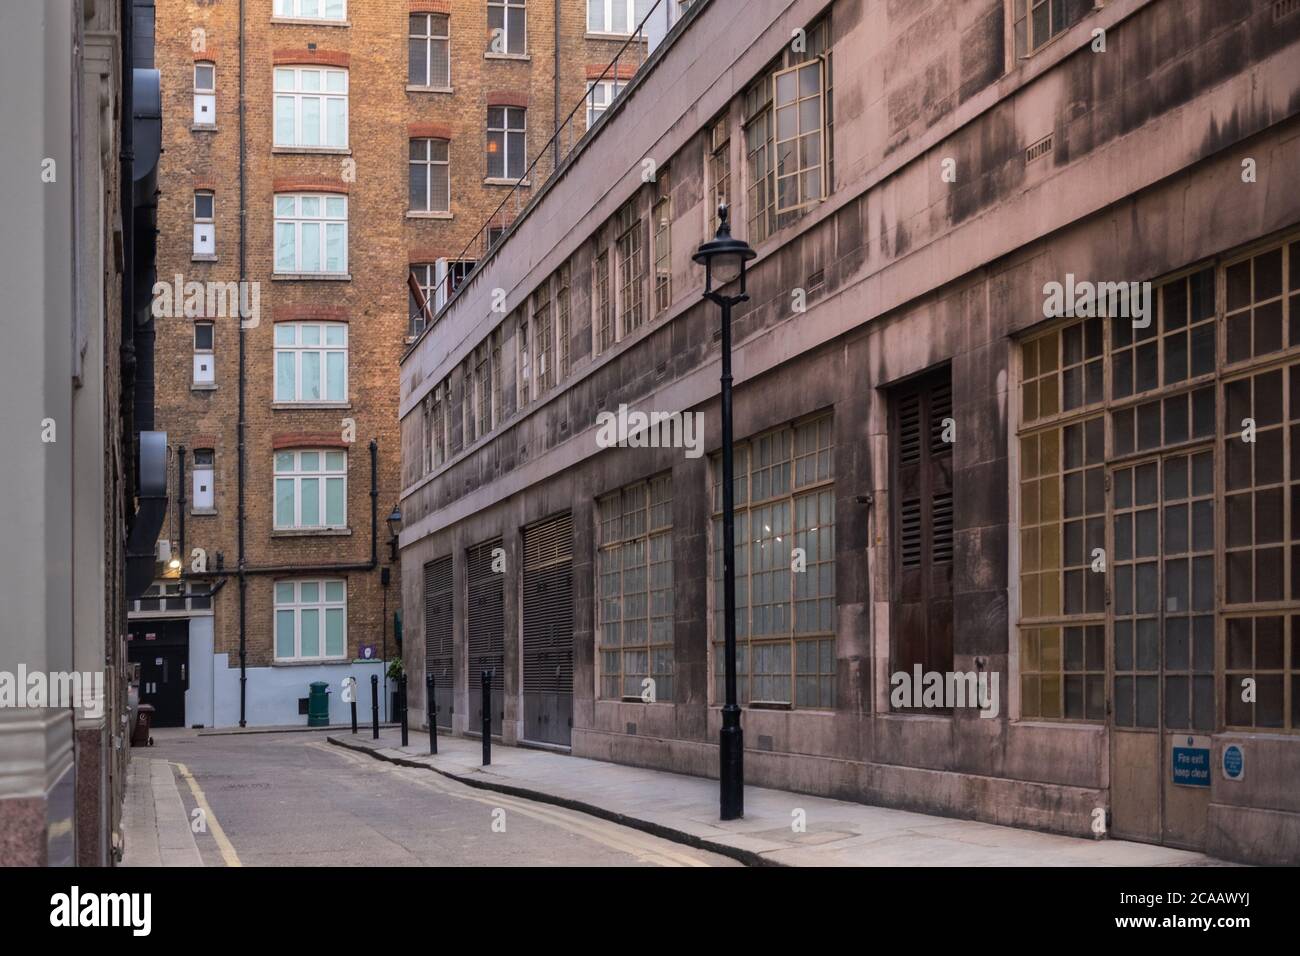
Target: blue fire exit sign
[{"x": 1191, "y": 760}]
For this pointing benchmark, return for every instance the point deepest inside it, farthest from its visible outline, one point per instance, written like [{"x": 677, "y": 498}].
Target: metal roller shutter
[
  {"x": 548, "y": 631},
  {"x": 486, "y": 626},
  {"x": 438, "y": 632}
]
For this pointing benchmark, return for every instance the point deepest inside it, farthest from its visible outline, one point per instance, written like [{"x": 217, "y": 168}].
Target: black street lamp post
[{"x": 724, "y": 260}]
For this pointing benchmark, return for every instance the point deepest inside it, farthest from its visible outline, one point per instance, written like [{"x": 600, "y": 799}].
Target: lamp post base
[{"x": 731, "y": 752}]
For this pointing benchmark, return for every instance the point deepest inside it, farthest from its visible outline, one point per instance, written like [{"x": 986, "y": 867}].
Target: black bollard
[
  {"x": 401, "y": 702},
  {"x": 354, "y": 705},
  {"x": 487, "y": 717},
  {"x": 374, "y": 703},
  {"x": 433, "y": 714}
]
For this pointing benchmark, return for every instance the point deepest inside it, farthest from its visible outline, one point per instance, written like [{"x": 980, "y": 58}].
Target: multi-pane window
[
  {"x": 311, "y": 107},
  {"x": 600, "y": 95},
  {"x": 787, "y": 130},
  {"x": 1037, "y": 21},
  {"x": 430, "y": 176},
  {"x": 311, "y": 620},
  {"x": 311, "y": 233},
  {"x": 562, "y": 330},
  {"x": 312, "y": 9},
  {"x": 311, "y": 489},
  {"x": 205, "y": 235},
  {"x": 507, "y": 27},
  {"x": 631, "y": 268},
  {"x": 603, "y": 310},
  {"x": 468, "y": 417},
  {"x": 205, "y": 370},
  {"x": 437, "y": 428},
  {"x": 719, "y": 169},
  {"x": 506, "y": 131},
  {"x": 785, "y": 599},
  {"x": 524, "y": 365},
  {"x": 543, "y": 339},
  {"x": 484, "y": 393},
  {"x": 204, "y": 486},
  {"x": 635, "y": 604},
  {"x": 429, "y": 40},
  {"x": 437, "y": 282},
  {"x": 616, "y": 16},
  {"x": 311, "y": 362},
  {"x": 661, "y": 218},
  {"x": 205, "y": 93}
]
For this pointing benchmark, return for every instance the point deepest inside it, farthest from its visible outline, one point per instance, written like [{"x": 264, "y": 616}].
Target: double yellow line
[{"x": 224, "y": 845}]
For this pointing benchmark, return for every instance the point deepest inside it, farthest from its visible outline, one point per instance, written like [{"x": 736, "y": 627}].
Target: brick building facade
[{"x": 314, "y": 203}]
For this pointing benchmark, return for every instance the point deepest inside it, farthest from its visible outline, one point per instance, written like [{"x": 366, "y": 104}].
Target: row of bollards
[{"x": 430, "y": 684}]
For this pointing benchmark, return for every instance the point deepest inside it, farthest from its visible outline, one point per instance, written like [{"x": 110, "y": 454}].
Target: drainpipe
[
  {"x": 126, "y": 193},
  {"x": 180, "y": 502},
  {"x": 555, "y": 124},
  {"x": 242, "y": 424}
]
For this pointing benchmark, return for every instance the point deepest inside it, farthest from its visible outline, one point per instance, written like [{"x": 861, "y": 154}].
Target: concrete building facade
[
  {"x": 957, "y": 453},
  {"x": 328, "y": 166}
]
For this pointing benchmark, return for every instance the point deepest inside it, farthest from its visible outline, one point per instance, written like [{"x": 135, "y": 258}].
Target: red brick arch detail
[
  {"x": 428, "y": 131},
  {"x": 308, "y": 184},
  {"x": 507, "y": 98},
  {"x": 204, "y": 441},
  {"x": 309, "y": 313},
  {"x": 622, "y": 72},
  {"x": 430, "y": 6},
  {"x": 207, "y": 56},
  {"x": 426, "y": 255},
  {"x": 205, "y": 185},
  {"x": 282, "y": 440},
  {"x": 305, "y": 57}
]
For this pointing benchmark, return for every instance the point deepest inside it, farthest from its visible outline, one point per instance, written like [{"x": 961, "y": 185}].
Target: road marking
[{"x": 223, "y": 844}]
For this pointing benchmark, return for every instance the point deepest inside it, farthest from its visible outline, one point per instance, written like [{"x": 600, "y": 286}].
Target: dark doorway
[
  {"x": 438, "y": 642},
  {"x": 921, "y": 432},
  {"x": 162, "y": 649},
  {"x": 486, "y": 632},
  {"x": 548, "y": 631}
]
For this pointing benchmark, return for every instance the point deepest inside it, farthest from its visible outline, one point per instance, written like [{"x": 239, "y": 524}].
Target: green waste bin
[{"x": 318, "y": 705}]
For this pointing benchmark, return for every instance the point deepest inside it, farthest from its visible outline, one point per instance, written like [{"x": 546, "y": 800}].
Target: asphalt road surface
[{"x": 293, "y": 799}]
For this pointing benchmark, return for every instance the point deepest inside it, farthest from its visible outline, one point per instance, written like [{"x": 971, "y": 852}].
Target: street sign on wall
[{"x": 1190, "y": 764}]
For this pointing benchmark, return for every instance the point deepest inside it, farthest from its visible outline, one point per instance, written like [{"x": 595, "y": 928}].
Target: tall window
[
  {"x": 311, "y": 362},
  {"x": 661, "y": 218},
  {"x": 311, "y": 620},
  {"x": 524, "y": 365},
  {"x": 631, "y": 268},
  {"x": 788, "y": 135},
  {"x": 429, "y": 41},
  {"x": 205, "y": 94},
  {"x": 563, "y": 332},
  {"x": 543, "y": 339},
  {"x": 484, "y": 394},
  {"x": 437, "y": 427},
  {"x": 311, "y": 489},
  {"x": 616, "y": 16},
  {"x": 719, "y": 162},
  {"x": 468, "y": 418},
  {"x": 603, "y": 312},
  {"x": 600, "y": 95},
  {"x": 205, "y": 229},
  {"x": 506, "y": 152},
  {"x": 312, "y": 9},
  {"x": 635, "y": 605},
  {"x": 204, "y": 500},
  {"x": 311, "y": 233},
  {"x": 785, "y": 618},
  {"x": 430, "y": 176},
  {"x": 1037, "y": 21},
  {"x": 311, "y": 107},
  {"x": 205, "y": 367},
  {"x": 507, "y": 27}
]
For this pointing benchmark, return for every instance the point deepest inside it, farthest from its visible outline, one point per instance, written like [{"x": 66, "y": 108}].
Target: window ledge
[
  {"x": 600, "y": 35},
  {"x": 312, "y": 150},
  {"x": 292, "y": 405},
  {"x": 522, "y": 57},
  {"x": 311, "y": 21},
  {"x": 203, "y": 258},
  {"x": 311, "y": 532},
  {"x": 499, "y": 181},
  {"x": 203, "y": 127},
  {"x": 203, "y": 511},
  {"x": 311, "y": 276},
  {"x": 203, "y": 387},
  {"x": 411, "y": 88},
  {"x": 312, "y": 662},
  {"x": 415, "y": 214}
]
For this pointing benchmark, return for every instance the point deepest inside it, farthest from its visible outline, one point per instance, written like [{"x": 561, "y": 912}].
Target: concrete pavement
[
  {"x": 155, "y": 825},
  {"x": 779, "y": 828}
]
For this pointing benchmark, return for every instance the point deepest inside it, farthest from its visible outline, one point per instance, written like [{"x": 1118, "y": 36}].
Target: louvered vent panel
[
  {"x": 910, "y": 533},
  {"x": 909, "y": 430},
  {"x": 438, "y": 618},
  {"x": 941, "y": 522},
  {"x": 486, "y": 624},
  {"x": 940, "y": 408}
]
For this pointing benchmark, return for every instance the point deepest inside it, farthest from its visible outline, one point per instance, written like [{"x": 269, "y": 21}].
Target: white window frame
[
  {"x": 205, "y": 95},
  {"x": 204, "y": 473},
  {"x": 299, "y": 222},
  {"x": 293, "y": 10},
  {"x": 506, "y": 130},
  {"x": 205, "y": 228},
  {"x": 205, "y": 358},
  {"x": 631, "y": 13},
  {"x": 297, "y": 605},
  {"x": 505, "y": 7},
  {"x": 428, "y": 162},
  {"x": 609, "y": 91},
  {"x": 297, "y": 475},
  {"x": 298, "y": 349},
  {"x": 296, "y": 94},
  {"x": 794, "y": 72},
  {"x": 430, "y": 39}
]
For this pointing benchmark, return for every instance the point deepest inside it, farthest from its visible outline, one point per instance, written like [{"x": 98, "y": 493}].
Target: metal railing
[{"x": 566, "y": 138}]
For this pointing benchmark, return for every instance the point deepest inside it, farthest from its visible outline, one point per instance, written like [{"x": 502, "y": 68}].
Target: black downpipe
[
  {"x": 180, "y": 502},
  {"x": 126, "y": 196},
  {"x": 243, "y": 278}
]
